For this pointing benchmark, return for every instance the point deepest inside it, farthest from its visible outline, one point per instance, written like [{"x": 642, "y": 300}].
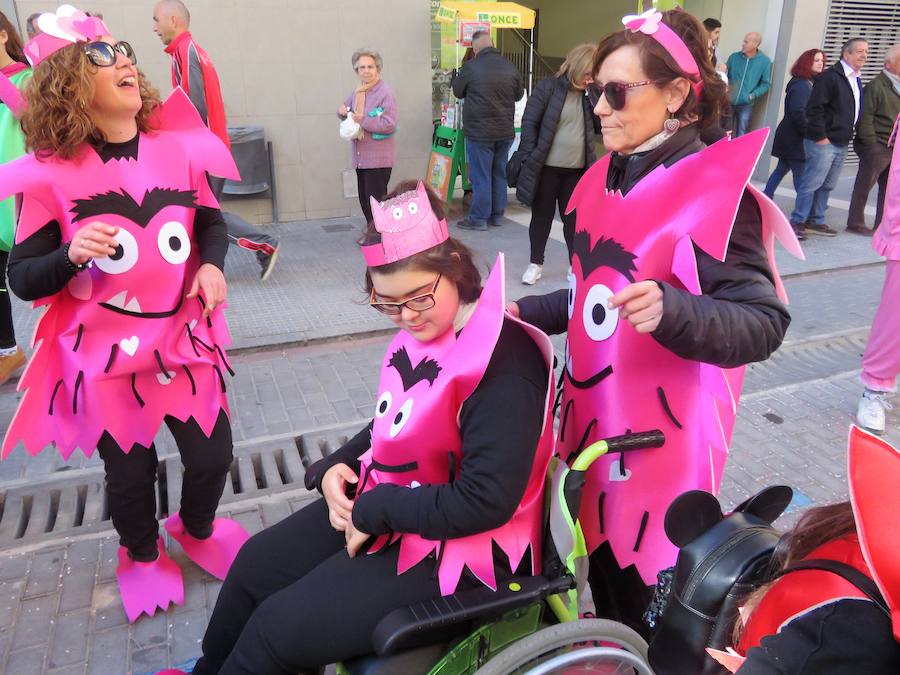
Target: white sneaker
[
  {"x": 870, "y": 412},
  {"x": 532, "y": 274}
]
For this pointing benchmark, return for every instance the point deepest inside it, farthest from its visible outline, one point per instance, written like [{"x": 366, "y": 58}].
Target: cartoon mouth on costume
[
  {"x": 595, "y": 379},
  {"x": 133, "y": 307}
]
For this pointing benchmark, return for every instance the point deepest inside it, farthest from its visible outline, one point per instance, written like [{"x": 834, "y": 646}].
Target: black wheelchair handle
[{"x": 644, "y": 439}]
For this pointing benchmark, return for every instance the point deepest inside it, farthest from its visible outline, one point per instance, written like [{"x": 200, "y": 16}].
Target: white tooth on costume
[
  {"x": 133, "y": 306},
  {"x": 118, "y": 300},
  {"x": 415, "y": 484}
]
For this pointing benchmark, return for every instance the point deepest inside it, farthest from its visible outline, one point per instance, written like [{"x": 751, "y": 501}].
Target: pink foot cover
[
  {"x": 216, "y": 553},
  {"x": 144, "y": 586}
]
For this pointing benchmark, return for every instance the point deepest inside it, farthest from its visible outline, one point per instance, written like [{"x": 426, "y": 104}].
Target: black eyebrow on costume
[
  {"x": 605, "y": 253},
  {"x": 123, "y": 204},
  {"x": 427, "y": 369}
]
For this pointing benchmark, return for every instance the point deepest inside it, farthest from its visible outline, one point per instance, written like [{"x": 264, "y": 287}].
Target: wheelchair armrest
[{"x": 426, "y": 622}]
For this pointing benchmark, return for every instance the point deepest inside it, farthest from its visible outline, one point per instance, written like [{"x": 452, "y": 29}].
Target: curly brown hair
[
  {"x": 56, "y": 121},
  {"x": 660, "y": 66}
]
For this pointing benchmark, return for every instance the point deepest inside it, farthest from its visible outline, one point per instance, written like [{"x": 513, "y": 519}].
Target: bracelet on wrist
[{"x": 73, "y": 267}]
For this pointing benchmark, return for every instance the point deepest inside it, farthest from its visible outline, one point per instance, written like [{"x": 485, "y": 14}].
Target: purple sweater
[{"x": 369, "y": 153}]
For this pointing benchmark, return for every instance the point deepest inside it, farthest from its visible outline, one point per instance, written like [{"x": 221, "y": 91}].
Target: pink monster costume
[
  {"x": 415, "y": 436},
  {"x": 617, "y": 380}
]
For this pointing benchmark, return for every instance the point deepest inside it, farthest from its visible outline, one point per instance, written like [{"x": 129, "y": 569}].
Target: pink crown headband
[
  {"x": 650, "y": 23},
  {"x": 65, "y": 27},
  {"x": 407, "y": 226}
]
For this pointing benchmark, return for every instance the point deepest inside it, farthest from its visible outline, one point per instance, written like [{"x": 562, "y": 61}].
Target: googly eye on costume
[
  {"x": 123, "y": 258},
  {"x": 572, "y": 288},
  {"x": 413, "y": 208},
  {"x": 397, "y": 213},
  {"x": 174, "y": 243},
  {"x": 401, "y": 418},
  {"x": 384, "y": 404},
  {"x": 599, "y": 321}
]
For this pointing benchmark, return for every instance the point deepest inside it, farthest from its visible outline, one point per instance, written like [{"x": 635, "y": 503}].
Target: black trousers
[
  {"x": 874, "y": 167},
  {"x": 294, "y": 600},
  {"x": 7, "y": 333},
  {"x": 238, "y": 228},
  {"x": 554, "y": 188},
  {"x": 620, "y": 595},
  {"x": 371, "y": 183},
  {"x": 131, "y": 481}
]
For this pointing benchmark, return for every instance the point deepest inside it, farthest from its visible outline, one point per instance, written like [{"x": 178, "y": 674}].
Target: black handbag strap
[{"x": 862, "y": 581}]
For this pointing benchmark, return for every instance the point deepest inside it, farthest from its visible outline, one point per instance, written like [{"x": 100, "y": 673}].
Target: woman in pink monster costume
[
  {"x": 672, "y": 290},
  {"x": 122, "y": 242},
  {"x": 881, "y": 361},
  {"x": 419, "y": 502}
]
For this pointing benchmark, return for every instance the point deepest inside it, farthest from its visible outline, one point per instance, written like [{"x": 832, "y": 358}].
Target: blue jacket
[
  {"x": 748, "y": 79},
  {"x": 788, "y": 143}
]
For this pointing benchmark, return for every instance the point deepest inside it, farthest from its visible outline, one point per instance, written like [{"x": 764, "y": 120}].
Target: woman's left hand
[
  {"x": 211, "y": 281},
  {"x": 641, "y": 303},
  {"x": 354, "y": 538}
]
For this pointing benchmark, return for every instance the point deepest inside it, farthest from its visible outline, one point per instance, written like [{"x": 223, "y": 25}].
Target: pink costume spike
[
  {"x": 407, "y": 226},
  {"x": 216, "y": 553},
  {"x": 120, "y": 347},
  {"x": 618, "y": 379},
  {"x": 416, "y": 438},
  {"x": 144, "y": 586}
]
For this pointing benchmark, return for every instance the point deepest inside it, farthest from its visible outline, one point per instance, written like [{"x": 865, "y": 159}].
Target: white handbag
[{"x": 349, "y": 128}]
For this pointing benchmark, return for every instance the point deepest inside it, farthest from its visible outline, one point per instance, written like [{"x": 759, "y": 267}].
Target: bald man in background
[
  {"x": 193, "y": 71},
  {"x": 749, "y": 77}
]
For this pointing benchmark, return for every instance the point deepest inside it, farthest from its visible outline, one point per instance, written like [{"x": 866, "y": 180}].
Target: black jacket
[
  {"x": 831, "y": 109},
  {"x": 788, "y": 142},
  {"x": 737, "y": 320},
  {"x": 491, "y": 86},
  {"x": 539, "y": 123}
]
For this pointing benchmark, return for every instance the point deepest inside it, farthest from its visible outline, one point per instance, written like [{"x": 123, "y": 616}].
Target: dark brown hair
[
  {"x": 451, "y": 259},
  {"x": 803, "y": 65},
  {"x": 661, "y": 67},
  {"x": 13, "y": 40}
]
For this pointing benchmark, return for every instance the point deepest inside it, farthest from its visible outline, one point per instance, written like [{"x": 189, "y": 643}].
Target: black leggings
[
  {"x": 7, "y": 334},
  {"x": 555, "y": 186},
  {"x": 131, "y": 480},
  {"x": 371, "y": 183},
  {"x": 294, "y": 600},
  {"x": 620, "y": 595}
]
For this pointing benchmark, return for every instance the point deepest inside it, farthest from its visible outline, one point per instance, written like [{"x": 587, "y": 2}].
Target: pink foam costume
[
  {"x": 416, "y": 437},
  {"x": 618, "y": 380}
]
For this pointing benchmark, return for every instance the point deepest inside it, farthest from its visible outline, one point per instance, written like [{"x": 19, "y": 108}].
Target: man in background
[
  {"x": 193, "y": 71},
  {"x": 749, "y": 76}
]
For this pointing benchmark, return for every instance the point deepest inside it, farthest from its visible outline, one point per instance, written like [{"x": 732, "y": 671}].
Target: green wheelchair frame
[{"x": 424, "y": 638}]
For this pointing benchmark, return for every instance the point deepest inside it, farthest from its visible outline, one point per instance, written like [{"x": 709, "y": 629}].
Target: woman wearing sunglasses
[
  {"x": 450, "y": 470},
  {"x": 667, "y": 310},
  {"x": 121, "y": 239}
]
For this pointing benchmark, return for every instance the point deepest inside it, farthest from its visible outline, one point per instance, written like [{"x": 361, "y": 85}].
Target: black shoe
[
  {"x": 860, "y": 229},
  {"x": 799, "y": 231},
  {"x": 820, "y": 229},
  {"x": 268, "y": 264},
  {"x": 497, "y": 223},
  {"x": 467, "y": 224}
]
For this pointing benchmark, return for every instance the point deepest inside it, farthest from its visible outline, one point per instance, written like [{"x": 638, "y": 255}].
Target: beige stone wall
[{"x": 285, "y": 65}]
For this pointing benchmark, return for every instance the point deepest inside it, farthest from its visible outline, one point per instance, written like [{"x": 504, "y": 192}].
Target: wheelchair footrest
[{"x": 429, "y": 621}]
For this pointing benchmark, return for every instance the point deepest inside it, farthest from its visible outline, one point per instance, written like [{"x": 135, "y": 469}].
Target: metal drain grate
[{"x": 65, "y": 504}]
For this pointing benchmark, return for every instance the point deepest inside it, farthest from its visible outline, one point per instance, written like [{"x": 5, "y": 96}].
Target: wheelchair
[{"x": 486, "y": 632}]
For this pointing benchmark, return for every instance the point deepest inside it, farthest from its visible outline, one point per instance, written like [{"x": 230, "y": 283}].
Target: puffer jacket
[
  {"x": 491, "y": 86},
  {"x": 539, "y": 125},
  {"x": 788, "y": 143}
]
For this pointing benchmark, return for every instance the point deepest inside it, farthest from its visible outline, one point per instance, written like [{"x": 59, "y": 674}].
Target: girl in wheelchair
[{"x": 446, "y": 478}]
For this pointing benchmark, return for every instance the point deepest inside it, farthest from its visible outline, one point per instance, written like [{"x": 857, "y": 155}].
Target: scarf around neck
[{"x": 359, "y": 102}]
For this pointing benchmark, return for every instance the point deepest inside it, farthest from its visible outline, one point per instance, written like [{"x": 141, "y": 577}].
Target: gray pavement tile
[
  {"x": 44, "y": 576},
  {"x": 77, "y": 669},
  {"x": 15, "y": 567},
  {"x": 78, "y": 580},
  {"x": 187, "y": 634},
  {"x": 150, "y": 631},
  {"x": 10, "y": 597},
  {"x": 109, "y": 651},
  {"x": 107, "y": 606},
  {"x": 148, "y": 660},
  {"x": 68, "y": 646},
  {"x": 33, "y": 620},
  {"x": 27, "y": 661}
]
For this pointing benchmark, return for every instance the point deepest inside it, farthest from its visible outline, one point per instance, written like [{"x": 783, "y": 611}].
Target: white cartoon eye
[
  {"x": 413, "y": 208},
  {"x": 174, "y": 243},
  {"x": 401, "y": 418},
  {"x": 599, "y": 320},
  {"x": 398, "y": 213},
  {"x": 123, "y": 258},
  {"x": 572, "y": 287},
  {"x": 383, "y": 405}
]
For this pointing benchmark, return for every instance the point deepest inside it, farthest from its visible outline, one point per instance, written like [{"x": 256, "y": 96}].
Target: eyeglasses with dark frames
[
  {"x": 418, "y": 303},
  {"x": 615, "y": 92},
  {"x": 103, "y": 55}
]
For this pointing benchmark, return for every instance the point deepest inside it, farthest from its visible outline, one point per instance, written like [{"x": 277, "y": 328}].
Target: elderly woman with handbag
[{"x": 373, "y": 107}]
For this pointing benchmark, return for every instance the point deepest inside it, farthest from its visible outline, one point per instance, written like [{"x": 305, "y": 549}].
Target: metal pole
[{"x": 531, "y": 62}]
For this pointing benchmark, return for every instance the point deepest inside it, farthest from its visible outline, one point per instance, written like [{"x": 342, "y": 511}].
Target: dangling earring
[{"x": 672, "y": 124}]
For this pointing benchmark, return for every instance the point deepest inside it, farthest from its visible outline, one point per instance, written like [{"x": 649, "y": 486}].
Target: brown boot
[{"x": 10, "y": 364}]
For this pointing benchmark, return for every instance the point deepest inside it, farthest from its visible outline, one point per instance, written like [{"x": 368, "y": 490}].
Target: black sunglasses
[
  {"x": 614, "y": 91},
  {"x": 102, "y": 54}
]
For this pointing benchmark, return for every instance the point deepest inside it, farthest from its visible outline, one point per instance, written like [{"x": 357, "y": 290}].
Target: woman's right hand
[
  {"x": 343, "y": 110},
  {"x": 334, "y": 486},
  {"x": 92, "y": 241}
]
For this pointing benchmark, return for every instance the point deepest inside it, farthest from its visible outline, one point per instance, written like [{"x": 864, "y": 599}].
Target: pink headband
[
  {"x": 67, "y": 26},
  {"x": 407, "y": 226},
  {"x": 650, "y": 23}
]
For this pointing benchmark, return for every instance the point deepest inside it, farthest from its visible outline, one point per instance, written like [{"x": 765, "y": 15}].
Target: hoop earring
[{"x": 672, "y": 124}]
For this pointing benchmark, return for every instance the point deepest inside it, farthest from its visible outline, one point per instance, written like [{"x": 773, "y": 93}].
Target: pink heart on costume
[
  {"x": 80, "y": 286},
  {"x": 86, "y": 27}
]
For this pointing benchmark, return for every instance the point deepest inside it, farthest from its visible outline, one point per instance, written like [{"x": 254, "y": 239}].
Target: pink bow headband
[
  {"x": 650, "y": 23},
  {"x": 60, "y": 29}
]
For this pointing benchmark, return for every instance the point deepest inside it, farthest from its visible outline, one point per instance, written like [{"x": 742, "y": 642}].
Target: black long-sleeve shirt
[
  {"x": 37, "y": 266},
  {"x": 737, "y": 320},
  {"x": 500, "y": 425}
]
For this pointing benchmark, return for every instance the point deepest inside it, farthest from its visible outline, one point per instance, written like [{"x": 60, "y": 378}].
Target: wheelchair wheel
[{"x": 569, "y": 638}]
